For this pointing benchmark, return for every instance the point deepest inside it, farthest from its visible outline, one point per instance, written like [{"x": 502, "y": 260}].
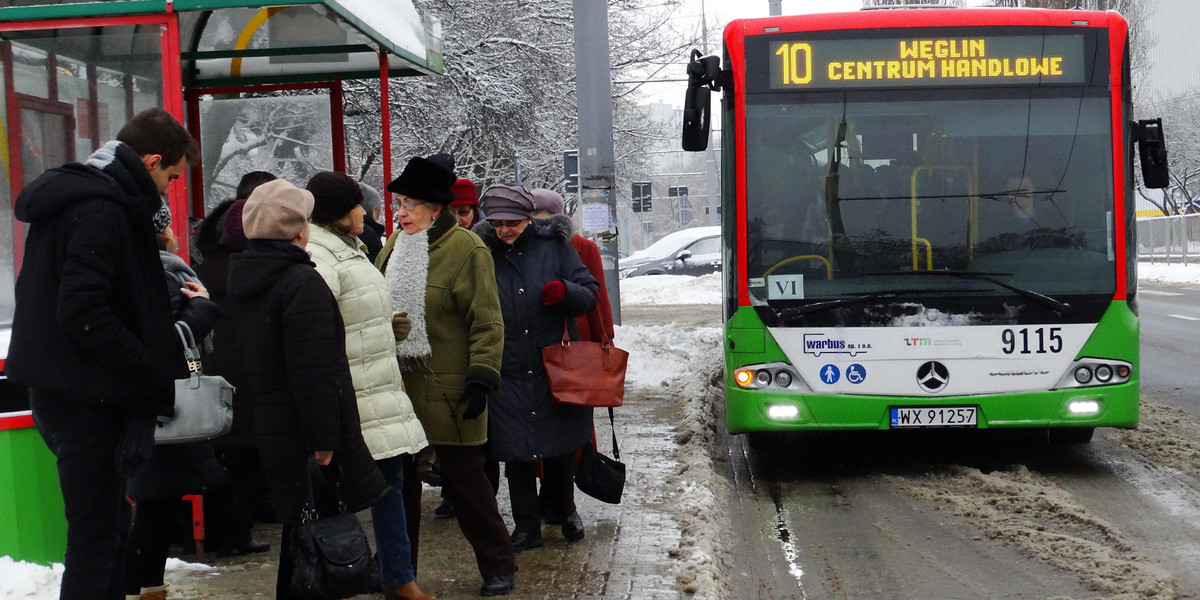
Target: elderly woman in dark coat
[
  {"x": 294, "y": 346},
  {"x": 543, "y": 286}
]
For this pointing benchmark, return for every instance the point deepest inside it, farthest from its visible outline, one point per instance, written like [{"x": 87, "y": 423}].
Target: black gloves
[{"x": 475, "y": 397}]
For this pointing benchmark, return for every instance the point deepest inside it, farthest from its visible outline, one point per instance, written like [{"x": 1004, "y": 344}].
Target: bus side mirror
[
  {"x": 1152, "y": 149},
  {"x": 697, "y": 105}
]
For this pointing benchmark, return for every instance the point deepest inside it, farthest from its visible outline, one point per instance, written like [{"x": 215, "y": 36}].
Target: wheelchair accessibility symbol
[{"x": 856, "y": 373}]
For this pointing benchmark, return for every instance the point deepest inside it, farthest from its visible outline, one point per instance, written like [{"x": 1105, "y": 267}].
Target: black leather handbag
[
  {"x": 330, "y": 554},
  {"x": 599, "y": 476}
]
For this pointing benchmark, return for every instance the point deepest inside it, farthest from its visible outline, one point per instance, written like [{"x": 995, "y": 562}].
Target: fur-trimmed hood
[{"x": 553, "y": 226}]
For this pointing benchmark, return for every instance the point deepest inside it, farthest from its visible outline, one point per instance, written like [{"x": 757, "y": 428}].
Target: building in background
[{"x": 678, "y": 193}]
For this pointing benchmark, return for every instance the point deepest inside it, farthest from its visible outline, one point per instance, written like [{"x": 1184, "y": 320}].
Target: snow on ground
[
  {"x": 687, "y": 363},
  {"x": 659, "y": 355},
  {"x": 1028, "y": 511},
  {"x": 1169, "y": 273},
  {"x": 671, "y": 289},
  {"x": 27, "y": 581},
  {"x": 20, "y": 580}
]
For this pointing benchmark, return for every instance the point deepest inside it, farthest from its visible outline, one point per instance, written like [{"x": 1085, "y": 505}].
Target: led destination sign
[{"x": 798, "y": 63}]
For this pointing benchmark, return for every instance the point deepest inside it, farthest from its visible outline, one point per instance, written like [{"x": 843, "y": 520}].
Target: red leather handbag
[{"x": 586, "y": 373}]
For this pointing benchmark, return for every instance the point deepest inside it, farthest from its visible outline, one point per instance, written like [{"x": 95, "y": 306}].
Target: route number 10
[{"x": 797, "y": 63}]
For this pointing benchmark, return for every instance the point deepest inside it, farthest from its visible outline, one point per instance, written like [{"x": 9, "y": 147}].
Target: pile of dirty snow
[
  {"x": 671, "y": 289},
  {"x": 1165, "y": 436},
  {"x": 1031, "y": 513},
  {"x": 661, "y": 354},
  {"x": 698, "y": 497}
]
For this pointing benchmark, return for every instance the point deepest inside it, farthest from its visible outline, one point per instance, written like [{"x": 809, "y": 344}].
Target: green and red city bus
[{"x": 928, "y": 219}]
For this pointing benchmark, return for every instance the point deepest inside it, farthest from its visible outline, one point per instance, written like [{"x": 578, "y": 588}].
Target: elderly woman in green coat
[{"x": 444, "y": 278}]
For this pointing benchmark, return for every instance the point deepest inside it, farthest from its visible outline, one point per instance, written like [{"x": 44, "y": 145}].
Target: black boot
[
  {"x": 572, "y": 527},
  {"x": 497, "y": 585},
  {"x": 445, "y": 510},
  {"x": 526, "y": 540}
]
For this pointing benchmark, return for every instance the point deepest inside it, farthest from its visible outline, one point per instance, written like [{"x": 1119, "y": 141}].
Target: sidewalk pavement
[{"x": 627, "y": 552}]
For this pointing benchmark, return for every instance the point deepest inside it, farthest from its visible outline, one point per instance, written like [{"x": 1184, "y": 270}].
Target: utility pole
[
  {"x": 710, "y": 160},
  {"x": 597, "y": 171}
]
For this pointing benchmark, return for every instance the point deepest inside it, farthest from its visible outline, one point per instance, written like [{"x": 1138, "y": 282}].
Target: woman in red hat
[{"x": 465, "y": 205}]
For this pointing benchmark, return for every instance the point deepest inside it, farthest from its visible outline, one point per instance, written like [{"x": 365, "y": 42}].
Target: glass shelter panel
[
  {"x": 74, "y": 89},
  {"x": 292, "y": 140}
]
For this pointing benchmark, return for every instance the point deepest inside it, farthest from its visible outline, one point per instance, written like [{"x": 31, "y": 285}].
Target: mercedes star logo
[{"x": 933, "y": 376}]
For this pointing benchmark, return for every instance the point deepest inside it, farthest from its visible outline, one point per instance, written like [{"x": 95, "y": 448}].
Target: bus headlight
[
  {"x": 783, "y": 379},
  {"x": 1083, "y": 374},
  {"x": 783, "y": 411},
  {"x": 743, "y": 377},
  {"x": 1090, "y": 372},
  {"x": 1083, "y": 407},
  {"x": 762, "y": 378},
  {"x": 776, "y": 376}
]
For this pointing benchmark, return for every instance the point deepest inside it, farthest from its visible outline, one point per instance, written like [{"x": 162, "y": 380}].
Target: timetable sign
[{"x": 925, "y": 61}]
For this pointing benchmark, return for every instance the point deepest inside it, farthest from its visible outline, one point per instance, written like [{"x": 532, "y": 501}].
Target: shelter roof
[{"x": 236, "y": 42}]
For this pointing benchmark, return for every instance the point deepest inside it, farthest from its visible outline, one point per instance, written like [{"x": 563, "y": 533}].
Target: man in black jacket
[{"x": 93, "y": 336}]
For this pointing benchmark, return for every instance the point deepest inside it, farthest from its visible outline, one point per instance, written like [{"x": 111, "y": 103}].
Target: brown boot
[
  {"x": 408, "y": 591},
  {"x": 154, "y": 593}
]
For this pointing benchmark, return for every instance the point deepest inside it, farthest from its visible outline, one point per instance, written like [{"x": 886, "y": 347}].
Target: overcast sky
[{"x": 724, "y": 11}]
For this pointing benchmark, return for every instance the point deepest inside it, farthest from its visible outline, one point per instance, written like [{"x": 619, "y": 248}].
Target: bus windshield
[{"x": 857, "y": 192}]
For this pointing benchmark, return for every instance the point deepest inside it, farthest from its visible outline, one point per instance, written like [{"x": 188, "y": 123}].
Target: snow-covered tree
[
  {"x": 913, "y": 2},
  {"x": 1182, "y": 131},
  {"x": 508, "y": 92}
]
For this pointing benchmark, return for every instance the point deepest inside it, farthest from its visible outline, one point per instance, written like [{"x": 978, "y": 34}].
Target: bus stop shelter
[{"x": 72, "y": 73}]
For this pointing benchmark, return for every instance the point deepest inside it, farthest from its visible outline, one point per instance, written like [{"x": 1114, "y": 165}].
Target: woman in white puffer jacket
[{"x": 389, "y": 425}]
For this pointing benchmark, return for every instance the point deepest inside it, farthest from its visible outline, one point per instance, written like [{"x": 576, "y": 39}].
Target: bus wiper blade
[
  {"x": 1058, "y": 306},
  {"x": 799, "y": 311}
]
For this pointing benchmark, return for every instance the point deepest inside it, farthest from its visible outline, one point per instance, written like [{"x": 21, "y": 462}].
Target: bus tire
[
  {"x": 758, "y": 440},
  {"x": 1071, "y": 435}
]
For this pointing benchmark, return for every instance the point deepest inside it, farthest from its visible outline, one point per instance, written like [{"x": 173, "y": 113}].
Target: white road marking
[
  {"x": 1185, "y": 317},
  {"x": 1159, "y": 293}
]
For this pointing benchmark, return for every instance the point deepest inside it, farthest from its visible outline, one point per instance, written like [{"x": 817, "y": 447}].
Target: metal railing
[{"x": 1169, "y": 239}]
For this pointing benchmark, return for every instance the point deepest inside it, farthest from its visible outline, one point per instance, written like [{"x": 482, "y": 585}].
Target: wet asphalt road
[{"x": 1170, "y": 317}]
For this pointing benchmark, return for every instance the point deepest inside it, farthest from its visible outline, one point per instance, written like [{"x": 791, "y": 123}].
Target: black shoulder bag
[
  {"x": 599, "y": 476},
  {"x": 330, "y": 554}
]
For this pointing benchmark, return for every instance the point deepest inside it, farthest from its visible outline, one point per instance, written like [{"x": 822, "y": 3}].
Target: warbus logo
[
  {"x": 817, "y": 344},
  {"x": 933, "y": 376},
  {"x": 1016, "y": 373}
]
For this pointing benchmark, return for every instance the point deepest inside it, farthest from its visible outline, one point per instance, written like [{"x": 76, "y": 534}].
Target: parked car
[{"x": 694, "y": 251}]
